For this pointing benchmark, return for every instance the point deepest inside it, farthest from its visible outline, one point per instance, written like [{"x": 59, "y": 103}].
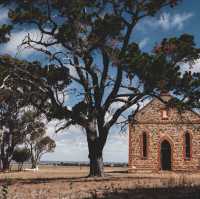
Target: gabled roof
[
  {"x": 142, "y": 114},
  {"x": 152, "y": 100}
]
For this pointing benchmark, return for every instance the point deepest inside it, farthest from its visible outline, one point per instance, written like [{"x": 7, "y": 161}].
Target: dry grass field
[{"x": 57, "y": 182}]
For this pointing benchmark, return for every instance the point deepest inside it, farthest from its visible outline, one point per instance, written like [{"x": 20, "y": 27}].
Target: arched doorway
[{"x": 165, "y": 155}]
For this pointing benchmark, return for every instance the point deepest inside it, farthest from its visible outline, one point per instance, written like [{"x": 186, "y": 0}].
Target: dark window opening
[
  {"x": 187, "y": 146},
  {"x": 144, "y": 138},
  {"x": 165, "y": 156}
]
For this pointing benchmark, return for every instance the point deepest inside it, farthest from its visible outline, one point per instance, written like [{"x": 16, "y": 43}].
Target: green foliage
[
  {"x": 103, "y": 30},
  {"x": 31, "y": 82},
  {"x": 10, "y": 126},
  {"x": 29, "y": 13},
  {"x": 21, "y": 155},
  {"x": 46, "y": 144},
  {"x": 56, "y": 76},
  {"x": 5, "y": 33},
  {"x": 36, "y": 140},
  {"x": 32, "y": 126},
  {"x": 182, "y": 49},
  {"x": 19, "y": 78},
  {"x": 161, "y": 69}
]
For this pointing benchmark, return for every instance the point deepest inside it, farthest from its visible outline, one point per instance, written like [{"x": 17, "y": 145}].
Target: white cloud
[
  {"x": 72, "y": 71},
  {"x": 116, "y": 148},
  {"x": 72, "y": 145},
  {"x": 166, "y": 21},
  {"x": 196, "y": 66},
  {"x": 69, "y": 149},
  {"x": 193, "y": 67},
  {"x": 13, "y": 46},
  {"x": 113, "y": 108},
  {"x": 4, "y": 15},
  {"x": 63, "y": 98},
  {"x": 143, "y": 43}
]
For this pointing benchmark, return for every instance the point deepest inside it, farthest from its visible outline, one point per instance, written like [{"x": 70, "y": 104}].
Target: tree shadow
[
  {"x": 41, "y": 180},
  {"x": 153, "y": 193},
  {"x": 48, "y": 180},
  {"x": 108, "y": 177},
  {"x": 118, "y": 171}
]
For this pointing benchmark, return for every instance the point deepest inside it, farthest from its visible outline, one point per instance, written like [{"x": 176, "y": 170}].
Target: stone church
[{"x": 162, "y": 139}]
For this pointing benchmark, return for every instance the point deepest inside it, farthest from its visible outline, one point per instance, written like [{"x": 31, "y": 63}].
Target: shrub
[{"x": 20, "y": 156}]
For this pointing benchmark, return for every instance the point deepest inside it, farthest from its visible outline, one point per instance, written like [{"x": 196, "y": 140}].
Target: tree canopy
[{"x": 36, "y": 139}]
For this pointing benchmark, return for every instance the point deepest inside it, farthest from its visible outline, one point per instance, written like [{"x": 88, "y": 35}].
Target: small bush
[{"x": 20, "y": 156}]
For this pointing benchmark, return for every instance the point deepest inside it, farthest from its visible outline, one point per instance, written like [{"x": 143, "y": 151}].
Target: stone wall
[{"x": 173, "y": 129}]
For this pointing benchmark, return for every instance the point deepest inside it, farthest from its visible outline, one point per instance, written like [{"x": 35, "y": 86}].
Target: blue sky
[{"x": 71, "y": 144}]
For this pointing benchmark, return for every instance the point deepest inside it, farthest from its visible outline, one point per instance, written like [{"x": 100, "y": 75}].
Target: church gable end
[
  {"x": 155, "y": 111},
  {"x": 162, "y": 139}
]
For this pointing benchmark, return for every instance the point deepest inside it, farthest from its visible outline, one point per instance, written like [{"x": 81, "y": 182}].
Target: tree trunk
[
  {"x": 0, "y": 163},
  {"x": 7, "y": 149},
  {"x": 20, "y": 166},
  {"x": 95, "y": 155},
  {"x": 5, "y": 164},
  {"x": 34, "y": 164},
  {"x": 96, "y": 163}
]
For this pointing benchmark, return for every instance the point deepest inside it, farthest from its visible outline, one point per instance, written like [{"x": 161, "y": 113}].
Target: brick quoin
[{"x": 172, "y": 129}]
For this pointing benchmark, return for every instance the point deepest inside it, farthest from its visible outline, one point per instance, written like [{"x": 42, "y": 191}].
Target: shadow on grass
[
  {"x": 107, "y": 177},
  {"x": 118, "y": 171},
  {"x": 42, "y": 180},
  {"x": 152, "y": 193}
]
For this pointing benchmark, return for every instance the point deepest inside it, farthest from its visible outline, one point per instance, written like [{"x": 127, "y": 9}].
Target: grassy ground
[{"x": 54, "y": 182}]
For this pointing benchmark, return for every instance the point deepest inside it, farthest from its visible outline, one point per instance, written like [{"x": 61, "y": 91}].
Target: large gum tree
[{"x": 92, "y": 55}]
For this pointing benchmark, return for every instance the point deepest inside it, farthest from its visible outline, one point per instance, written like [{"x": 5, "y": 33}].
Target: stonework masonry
[{"x": 158, "y": 129}]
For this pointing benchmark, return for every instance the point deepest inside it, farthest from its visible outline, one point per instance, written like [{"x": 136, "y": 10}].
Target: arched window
[
  {"x": 165, "y": 114},
  {"x": 144, "y": 145},
  {"x": 187, "y": 146}
]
